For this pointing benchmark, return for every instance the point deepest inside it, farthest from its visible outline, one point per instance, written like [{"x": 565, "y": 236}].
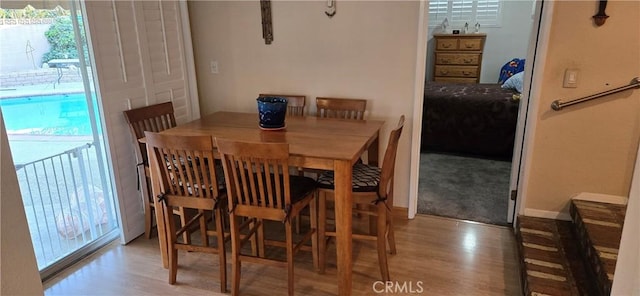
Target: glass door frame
[{"x": 98, "y": 141}]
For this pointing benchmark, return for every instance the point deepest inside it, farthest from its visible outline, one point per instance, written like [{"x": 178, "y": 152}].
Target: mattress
[{"x": 469, "y": 119}]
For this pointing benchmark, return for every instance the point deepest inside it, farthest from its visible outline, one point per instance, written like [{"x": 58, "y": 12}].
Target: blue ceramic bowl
[{"x": 272, "y": 111}]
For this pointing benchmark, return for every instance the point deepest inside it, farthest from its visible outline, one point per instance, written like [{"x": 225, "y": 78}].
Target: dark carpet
[{"x": 464, "y": 188}]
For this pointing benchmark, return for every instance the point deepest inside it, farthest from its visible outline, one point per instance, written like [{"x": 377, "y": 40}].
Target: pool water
[{"x": 64, "y": 114}]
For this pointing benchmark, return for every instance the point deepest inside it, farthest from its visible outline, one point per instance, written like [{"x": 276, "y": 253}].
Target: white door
[
  {"x": 523, "y": 112},
  {"x": 143, "y": 56}
]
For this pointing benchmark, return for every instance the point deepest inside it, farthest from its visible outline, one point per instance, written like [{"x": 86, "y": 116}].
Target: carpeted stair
[{"x": 575, "y": 257}]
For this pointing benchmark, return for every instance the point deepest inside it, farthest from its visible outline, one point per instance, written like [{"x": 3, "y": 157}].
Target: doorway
[
  {"x": 463, "y": 178},
  {"x": 51, "y": 114}
]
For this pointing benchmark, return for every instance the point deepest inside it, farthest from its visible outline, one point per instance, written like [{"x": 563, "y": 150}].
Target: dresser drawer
[
  {"x": 458, "y": 58},
  {"x": 470, "y": 44},
  {"x": 447, "y": 44},
  {"x": 456, "y": 80},
  {"x": 456, "y": 71}
]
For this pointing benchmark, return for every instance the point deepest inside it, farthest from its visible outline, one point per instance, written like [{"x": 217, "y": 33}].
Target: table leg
[
  {"x": 372, "y": 151},
  {"x": 343, "y": 211}
]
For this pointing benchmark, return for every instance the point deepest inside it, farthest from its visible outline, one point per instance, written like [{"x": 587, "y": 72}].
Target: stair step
[
  {"x": 550, "y": 260},
  {"x": 598, "y": 227}
]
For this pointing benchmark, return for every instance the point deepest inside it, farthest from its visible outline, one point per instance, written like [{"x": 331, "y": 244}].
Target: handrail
[{"x": 557, "y": 105}]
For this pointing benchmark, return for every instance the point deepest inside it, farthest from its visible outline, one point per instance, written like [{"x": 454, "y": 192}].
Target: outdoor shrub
[
  {"x": 62, "y": 40},
  {"x": 29, "y": 12}
]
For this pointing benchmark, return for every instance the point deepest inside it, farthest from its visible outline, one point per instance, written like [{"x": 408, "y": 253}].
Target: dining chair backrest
[
  {"x": 295, "y": 103},
  {"x": 185, "y": 165},
  {"x": 340, "y": 108},
  {"x": 389, "y": 161},
  {"x": 154, "y": 118},
  {"x": 257, "y": 174}
]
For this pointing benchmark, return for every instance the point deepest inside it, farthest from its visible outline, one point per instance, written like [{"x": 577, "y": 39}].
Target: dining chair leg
[
  {"x": 254, "y": 243},
  {"x": 391, "y": 237},
  {"x": 261, "y": 238},
  {"x": 235, "y": 255},
  {"x": 313, "y": 220},
  {"x": 173, "y": 266},
  {"x": 186, "y": 236},
  {"x": 148, "y": 219},
  {"x": 161, "y": 226},
  {"x": 362, "y": 208},
  {"x": 222, "y": 254},
  {"x": 172, "y": 253},
  {"x": 148, "y": 209},
  {"x": 296, "y": 222},
  {"x": 373, "y": 221},
  {"x": 382, "y": 241},
  {"x": 289, "y": 240},
  {"x": 322, "y": 225},
  {"x": 203, "y": 229}
]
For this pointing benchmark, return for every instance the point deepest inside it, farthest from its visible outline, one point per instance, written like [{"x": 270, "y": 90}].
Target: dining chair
[
  {"x": 295, "y": 103},
  {"x": 351, "y": 109},
  {"x": 295, "y": 108},
  {"x": 154, "y": 118},
  {"x": 372, "y": 189},
  {"x": 259, "y": 188},
  {"x": 340, "y": 108},
  {"x": 188, "y": 178}
]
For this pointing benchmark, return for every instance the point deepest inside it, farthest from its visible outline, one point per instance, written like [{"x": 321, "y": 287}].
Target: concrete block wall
[{"x": 40, "y": 76}]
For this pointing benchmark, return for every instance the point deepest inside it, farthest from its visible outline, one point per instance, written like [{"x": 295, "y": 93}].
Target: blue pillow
[
  {"x": 510, "y": 68},
  {"x": 514, "y": 82}
]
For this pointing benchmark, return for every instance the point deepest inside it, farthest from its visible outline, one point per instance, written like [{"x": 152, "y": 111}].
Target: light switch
[
  {"x": 214, "y": 67},
  {"x": 570, "y": 78}
]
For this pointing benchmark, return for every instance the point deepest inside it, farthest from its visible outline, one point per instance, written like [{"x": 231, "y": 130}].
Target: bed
[{"x": 469, "y": 119}]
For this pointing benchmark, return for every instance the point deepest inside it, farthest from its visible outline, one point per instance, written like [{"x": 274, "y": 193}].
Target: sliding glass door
[{"x": 50, "y": 110}]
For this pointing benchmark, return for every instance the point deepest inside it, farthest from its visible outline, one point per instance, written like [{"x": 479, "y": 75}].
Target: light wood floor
[{"x": 436, "y": 256}]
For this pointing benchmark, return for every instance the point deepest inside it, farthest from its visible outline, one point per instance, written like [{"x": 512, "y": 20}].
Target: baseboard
[
  {"x": 401, "y": 212},
  {"x": 547, "y": 214}
]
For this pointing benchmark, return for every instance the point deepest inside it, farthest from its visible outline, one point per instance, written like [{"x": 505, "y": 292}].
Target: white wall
[
  {"x": 21, "y": 36},
  {"x": 590, "y": 147},
  {"x": 18, "y": 269},
  {"x": 510, "y": 40},
  {"x": 367, "y": 50}
]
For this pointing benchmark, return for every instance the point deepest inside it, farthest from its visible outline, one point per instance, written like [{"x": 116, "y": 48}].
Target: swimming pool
[{"x": 62, "y": 114}]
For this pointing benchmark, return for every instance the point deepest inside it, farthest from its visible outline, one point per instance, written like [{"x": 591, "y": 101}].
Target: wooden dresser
[{"x": 458, "y": 58}]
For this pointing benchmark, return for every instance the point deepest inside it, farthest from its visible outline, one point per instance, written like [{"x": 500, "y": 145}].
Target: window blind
[{"x": 458, "y": 12}]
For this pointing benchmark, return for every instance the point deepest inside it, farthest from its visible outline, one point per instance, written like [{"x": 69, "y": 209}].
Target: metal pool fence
[{"x": 66, "y": 201}]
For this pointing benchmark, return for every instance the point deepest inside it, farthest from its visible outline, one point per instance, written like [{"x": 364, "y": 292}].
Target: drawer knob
[
  {"x": 466, "y": 73},
  {"x": 444, "y": 72},
  {"x": 467, "y": 61},
  {"x": 446, "y": 45},
  {"x": 468, "y": 45}
]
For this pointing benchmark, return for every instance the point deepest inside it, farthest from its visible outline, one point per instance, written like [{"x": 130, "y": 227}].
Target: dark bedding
[{"x": 470, "y": 119}]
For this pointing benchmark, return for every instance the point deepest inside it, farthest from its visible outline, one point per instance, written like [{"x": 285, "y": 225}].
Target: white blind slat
[{"x": 459, "y": 12}]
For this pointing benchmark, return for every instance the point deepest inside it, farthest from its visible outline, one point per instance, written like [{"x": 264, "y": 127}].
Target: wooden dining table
[{"x": 316, "y": 143}]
